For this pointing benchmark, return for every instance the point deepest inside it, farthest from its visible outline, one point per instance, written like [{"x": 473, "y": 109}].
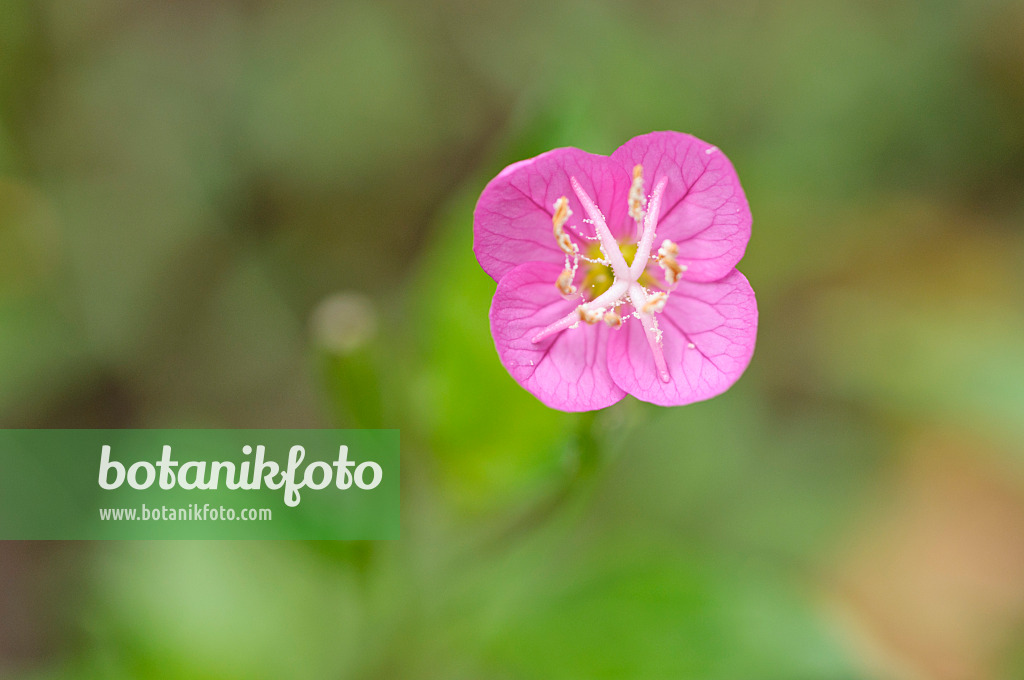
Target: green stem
[{"x": 584, "y": 467}]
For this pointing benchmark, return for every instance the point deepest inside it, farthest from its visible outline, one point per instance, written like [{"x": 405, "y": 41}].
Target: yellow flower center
[{"x": 598, "y": 278}]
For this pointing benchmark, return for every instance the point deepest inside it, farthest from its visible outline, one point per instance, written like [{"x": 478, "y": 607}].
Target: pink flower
[{"x": 604, "y": 289}]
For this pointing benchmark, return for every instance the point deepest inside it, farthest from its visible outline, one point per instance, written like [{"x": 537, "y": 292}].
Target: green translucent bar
[{"x": 333, "y": 484}]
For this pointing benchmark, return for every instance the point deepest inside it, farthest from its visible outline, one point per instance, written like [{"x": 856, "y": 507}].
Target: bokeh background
[{"x": 258, "y": 214}]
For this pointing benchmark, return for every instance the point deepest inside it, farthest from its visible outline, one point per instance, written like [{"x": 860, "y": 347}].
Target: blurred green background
[{"x": 257, "y": 214}]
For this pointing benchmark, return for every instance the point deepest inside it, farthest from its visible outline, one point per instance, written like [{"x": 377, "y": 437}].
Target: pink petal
[
  {"x": 719, "y": 319},
  {"x": 512, "y": 220},
  {"x": 568, "y": 371},
  {"x": 704, "y": 209}
]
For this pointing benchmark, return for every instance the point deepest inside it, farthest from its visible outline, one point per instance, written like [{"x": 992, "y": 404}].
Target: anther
[
  {"x": 562, "y": 213},
  {"x": 564, "y": 282},
  {"x": 613, "y": 319},
  {"x": 637, "y": 200},
  {"x": 655, "y": 303},
  {"x": 667, "y": 259},
  {"x": 589, "y": 315}
]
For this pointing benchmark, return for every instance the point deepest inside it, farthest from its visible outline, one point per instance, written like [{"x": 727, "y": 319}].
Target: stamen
[
  {"x": 655, "y": 303},
  {"x": 637, "y": 200},
  {"x": 590, "y": 315},
  {"x": 564, "y": 282},
  {"x": 562, "y": 213},
  {"x": 613, "y": 319},
  {"x": 571, "y": 250},
  {"x": 667, "y": 259}
]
